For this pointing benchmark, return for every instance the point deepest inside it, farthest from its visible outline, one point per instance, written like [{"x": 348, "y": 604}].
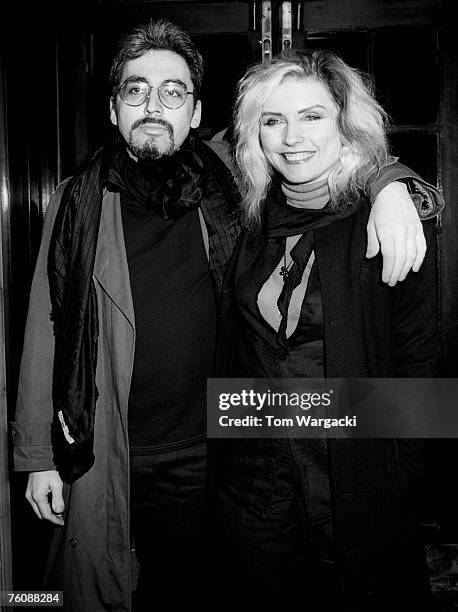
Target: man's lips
[
  {"x": 298, "y": 157},
  {"x": 153, "y": 128}
]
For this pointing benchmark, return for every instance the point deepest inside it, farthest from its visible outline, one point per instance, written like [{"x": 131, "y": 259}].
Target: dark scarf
[
  {"x": 193, "y": 176},
  {"x": 282, "y": 220},
  {"x": 169, "y": 185}
]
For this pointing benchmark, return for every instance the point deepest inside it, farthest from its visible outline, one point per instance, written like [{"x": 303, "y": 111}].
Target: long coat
[
  {"x": 90, "y": 558},
  {"x": 370, "y": 331}
]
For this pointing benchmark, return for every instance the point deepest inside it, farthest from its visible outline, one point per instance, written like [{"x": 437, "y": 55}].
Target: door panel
[{"x": 405, "y": 68}]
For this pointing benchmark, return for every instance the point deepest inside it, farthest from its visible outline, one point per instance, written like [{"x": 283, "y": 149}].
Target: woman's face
[{"x": 298, "y": 130}]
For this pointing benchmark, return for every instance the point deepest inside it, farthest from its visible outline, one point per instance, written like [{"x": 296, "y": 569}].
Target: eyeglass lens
[{"x": 172, "y": 95}]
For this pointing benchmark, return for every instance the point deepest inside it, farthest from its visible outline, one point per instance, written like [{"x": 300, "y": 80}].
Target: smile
[{"x": 298, "y": 157}]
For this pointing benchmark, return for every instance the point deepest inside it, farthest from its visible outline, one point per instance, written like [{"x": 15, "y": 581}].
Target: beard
[{"x": 152, "y": 148}]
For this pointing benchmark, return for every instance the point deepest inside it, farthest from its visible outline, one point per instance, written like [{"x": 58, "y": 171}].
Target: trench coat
[{"x": 90, "y": 557}]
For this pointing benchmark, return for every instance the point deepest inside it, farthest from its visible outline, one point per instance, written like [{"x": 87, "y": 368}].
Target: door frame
[{"x": 5, "y": 512}]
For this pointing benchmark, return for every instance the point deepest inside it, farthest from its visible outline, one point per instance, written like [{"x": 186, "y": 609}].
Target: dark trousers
[
  {"x": 168, "y": 506},
  {"x": 283, "y": 557}
]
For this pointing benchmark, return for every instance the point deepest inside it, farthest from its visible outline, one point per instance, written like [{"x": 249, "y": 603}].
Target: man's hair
[
  {"x": 161, "y": 35},
  {"x": 361, "y": 125}
]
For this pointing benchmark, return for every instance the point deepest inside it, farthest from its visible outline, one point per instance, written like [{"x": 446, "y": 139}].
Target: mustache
[{"x": 148, "y": 120}]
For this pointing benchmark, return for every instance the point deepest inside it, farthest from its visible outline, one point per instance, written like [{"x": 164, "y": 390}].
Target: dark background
[{"x": 54, "y": 102}]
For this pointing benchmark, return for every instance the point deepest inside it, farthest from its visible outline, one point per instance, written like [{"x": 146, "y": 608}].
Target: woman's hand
[{"x": 395, "y": 228}]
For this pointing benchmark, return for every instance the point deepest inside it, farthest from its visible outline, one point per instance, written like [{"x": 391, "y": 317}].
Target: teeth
[{"x": 298, "y": 156}]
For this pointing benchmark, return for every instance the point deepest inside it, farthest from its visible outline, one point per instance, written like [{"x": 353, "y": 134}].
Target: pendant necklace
[{"x": 284, "y": 270}]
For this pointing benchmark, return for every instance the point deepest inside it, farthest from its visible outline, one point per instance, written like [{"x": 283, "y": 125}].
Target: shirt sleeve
[{"x": 428, "y": 200}]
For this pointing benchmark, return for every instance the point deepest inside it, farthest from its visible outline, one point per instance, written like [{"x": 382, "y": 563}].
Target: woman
[{"x": 320, "y": 524}]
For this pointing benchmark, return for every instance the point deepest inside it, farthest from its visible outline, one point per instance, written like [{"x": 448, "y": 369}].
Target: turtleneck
[{"x": 312, "y": 196}]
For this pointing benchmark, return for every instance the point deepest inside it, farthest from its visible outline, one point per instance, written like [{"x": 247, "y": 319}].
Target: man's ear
[
  {"x": 195, "y": 121},
  {"x": 113, "y": 115}
]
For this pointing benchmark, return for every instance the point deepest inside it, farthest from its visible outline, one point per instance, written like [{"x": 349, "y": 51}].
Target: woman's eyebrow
[
  {"x": 301, "y": 110},
  {"x": 271, "y": 113}
]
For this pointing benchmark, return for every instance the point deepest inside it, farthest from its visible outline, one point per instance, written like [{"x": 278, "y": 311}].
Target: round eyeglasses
[{"x": 171, "y": 94}]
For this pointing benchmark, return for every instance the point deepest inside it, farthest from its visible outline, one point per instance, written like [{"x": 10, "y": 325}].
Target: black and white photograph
[{"x": 229, "y": 305}]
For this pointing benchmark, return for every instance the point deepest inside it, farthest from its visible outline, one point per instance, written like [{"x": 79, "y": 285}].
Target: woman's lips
[{"x": 298, "y": 157}]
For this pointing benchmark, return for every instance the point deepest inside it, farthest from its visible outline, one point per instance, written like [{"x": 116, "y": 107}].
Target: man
[{"x": 131, "y": 263}]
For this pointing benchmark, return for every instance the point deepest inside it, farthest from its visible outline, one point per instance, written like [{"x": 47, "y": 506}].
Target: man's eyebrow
[
  {"x": 177, "y": 81},
  {"x": 140, "y": 79},
  {"x": 135, "y": 79}
]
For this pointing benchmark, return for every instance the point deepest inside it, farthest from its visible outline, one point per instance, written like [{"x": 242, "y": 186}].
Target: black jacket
[{"x": 370, "y": 330}]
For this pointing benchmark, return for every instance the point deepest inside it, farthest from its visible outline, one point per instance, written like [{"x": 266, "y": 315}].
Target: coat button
[
  {"x": 72, "y": 542},
  {"x": 282, "y": 354}
]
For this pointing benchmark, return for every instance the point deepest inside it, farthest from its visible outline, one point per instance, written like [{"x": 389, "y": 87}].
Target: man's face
[{"x": 151, "y": 130}]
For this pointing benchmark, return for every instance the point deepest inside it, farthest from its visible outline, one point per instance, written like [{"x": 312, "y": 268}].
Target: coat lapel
[{"x": 110, "y": 268}]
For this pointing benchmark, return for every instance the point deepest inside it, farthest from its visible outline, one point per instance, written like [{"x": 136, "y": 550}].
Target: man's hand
[
  {"x": 39, "y": 486},
  {"x": 395, "y": 224}
]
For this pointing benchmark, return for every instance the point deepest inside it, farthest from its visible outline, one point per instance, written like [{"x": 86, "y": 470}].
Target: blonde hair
[{"x": 361, "y": 125}]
